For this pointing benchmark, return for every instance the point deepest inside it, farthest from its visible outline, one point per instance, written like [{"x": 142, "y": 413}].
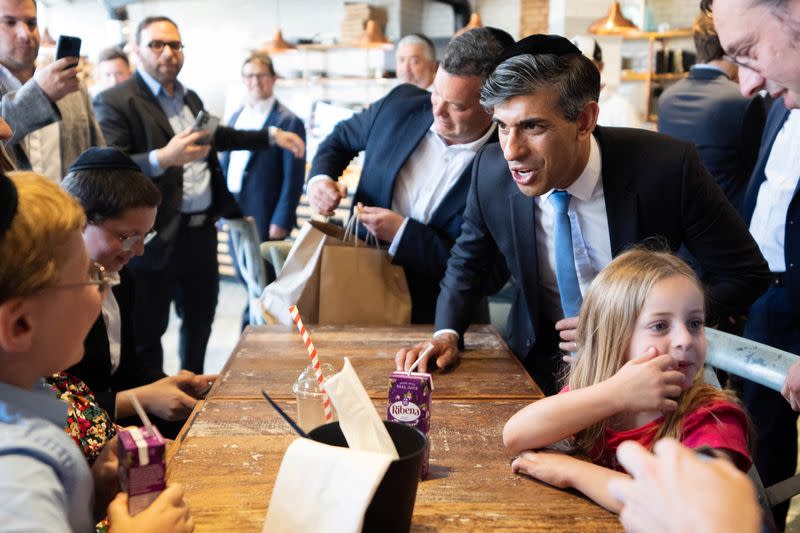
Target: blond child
[
  {"x": 637, "y": 376},
  {"x": 50, "y": 294}
]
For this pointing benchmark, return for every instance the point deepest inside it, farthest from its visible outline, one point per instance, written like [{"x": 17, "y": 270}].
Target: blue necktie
[{"x": 566, "y": 274}]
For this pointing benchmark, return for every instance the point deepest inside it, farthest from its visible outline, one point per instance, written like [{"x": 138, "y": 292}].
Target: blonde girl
[{"x": 638, "y": 376}]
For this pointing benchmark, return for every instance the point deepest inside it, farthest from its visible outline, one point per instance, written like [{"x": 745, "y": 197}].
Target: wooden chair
[{"x": 244, "y": 241}]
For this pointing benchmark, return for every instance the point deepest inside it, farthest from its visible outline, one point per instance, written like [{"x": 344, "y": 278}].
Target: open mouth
[{"x": 523, "y": 176}]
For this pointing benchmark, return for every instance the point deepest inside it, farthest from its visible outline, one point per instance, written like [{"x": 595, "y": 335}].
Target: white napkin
[
  {"x": 360, "y": 423},
  {"x": 323, "y": 488}
]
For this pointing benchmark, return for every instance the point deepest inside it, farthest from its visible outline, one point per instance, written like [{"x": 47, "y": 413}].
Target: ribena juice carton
[
  {"x": 141, "y": 466},
  {"x": 410, "y": 404}
]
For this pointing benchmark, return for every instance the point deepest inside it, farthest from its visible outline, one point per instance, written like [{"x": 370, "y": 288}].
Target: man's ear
[
  {"x": 587, "y": 118},
  {"x": 16, "y": 326}
]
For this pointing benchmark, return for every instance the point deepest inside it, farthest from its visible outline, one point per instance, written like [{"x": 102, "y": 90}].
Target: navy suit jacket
[
  {"x": 132, "y": 120},
  {"x": 654, "y": 186},
  {"x": 791, "y": 244},
  {"x": 273, "y": 179},
  {"x": 389, "y": 131},
  {"x": 95, "y": 367},
  {"x": 708, "y": 110}
]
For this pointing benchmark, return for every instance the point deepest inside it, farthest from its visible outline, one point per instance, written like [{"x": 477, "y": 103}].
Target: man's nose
[
  {"x": 750, "y": 81},
  {"x": 512, "y": 147}
]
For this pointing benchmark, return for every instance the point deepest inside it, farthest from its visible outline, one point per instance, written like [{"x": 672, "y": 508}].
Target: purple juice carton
[
  {"x": 141, "y": 466},
  {"x": 410, "y": 404}
]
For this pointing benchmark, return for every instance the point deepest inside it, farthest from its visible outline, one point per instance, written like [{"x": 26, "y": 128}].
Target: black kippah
[
  {"x": 8, "y": 203},
  {"x": 540, "y": 44},
  {"x": 105, "y": 159}
]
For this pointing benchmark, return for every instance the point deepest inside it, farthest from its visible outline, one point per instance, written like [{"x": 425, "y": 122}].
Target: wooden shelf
[
  {"x": 671, "y": 34},
  {"x": 636, "y": 75}
]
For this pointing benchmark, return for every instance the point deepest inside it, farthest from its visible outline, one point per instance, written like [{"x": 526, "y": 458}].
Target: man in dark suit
[
  {"x": 557, "y": 198},
  {"x": 150, "y": 117},
  {"x": 120, "y": 204},
  {"x": 707, "y": 109},
  {"x": 419, "y": 152}
]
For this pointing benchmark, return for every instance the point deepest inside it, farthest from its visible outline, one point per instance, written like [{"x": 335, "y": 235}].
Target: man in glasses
[
  {"x": 267, "y": 183},
  {"x": 120, "y": 205},
  {"x": 761, "y": 37},
  {"x": 151, "y": 117},
  {"x": 48, "y": 108}
]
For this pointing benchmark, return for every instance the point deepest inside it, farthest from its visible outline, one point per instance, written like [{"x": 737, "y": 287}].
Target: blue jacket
[{"x": 273, "y": 179}]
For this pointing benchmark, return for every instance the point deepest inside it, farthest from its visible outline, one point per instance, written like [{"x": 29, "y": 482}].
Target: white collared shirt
[
  {"x": 768, "y": 225},
  {"x": 432, "y": 169},
  {"x": 591, "y": 241},
  {"x": 111, "y": 317},
  {"x": 252, "y": 117}
]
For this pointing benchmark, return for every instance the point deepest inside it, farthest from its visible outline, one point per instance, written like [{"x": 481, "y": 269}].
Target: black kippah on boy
[
  {"x": 540, "y": 44},
  {"x": 105, "y": 159},
  {"x": 8, "y": 203}
]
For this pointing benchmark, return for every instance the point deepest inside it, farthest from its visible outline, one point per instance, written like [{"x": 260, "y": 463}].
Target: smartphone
[
  {"x": 205, "y": 122},
  {"x": 68, "y": 46}
]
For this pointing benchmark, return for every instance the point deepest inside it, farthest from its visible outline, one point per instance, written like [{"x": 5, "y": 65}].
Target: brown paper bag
[{"x": 335, "y": 278}]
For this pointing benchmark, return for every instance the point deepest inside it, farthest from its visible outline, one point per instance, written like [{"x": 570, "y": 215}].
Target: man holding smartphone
[
  {"x": 151, "y": 118},
  {"x": 48, "y": 108}
]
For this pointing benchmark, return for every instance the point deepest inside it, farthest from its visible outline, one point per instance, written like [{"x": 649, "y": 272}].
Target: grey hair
[
  {"x": 473, "y": 53},
  {"x": 574, "y": 76},
  {"x": 418, "y": 38}
]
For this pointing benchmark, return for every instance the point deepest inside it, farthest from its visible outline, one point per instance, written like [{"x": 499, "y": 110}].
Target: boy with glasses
[{"x": 120, "y": 204}]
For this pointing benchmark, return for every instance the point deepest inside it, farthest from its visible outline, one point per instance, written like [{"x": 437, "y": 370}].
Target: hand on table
[
  {"x": 168, "y": 512},
  {"x": 444, "y": 352},
  {"x": 381, "y": 222},
  {"x": 647, "y": 383},
  {"x": 170, "y": 398},
  {"x": 324, "y": 195},
  {"x": 674, "y": 491},
  {"x": 277, "y": 233},
  {"x": 549, "y": 466}
]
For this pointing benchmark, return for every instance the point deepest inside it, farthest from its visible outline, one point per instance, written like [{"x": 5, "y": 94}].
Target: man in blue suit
[
  {"x": 707, "y": 109},
  {"x": 419, "y": 151},
  {"x": 266, "y": 183}
]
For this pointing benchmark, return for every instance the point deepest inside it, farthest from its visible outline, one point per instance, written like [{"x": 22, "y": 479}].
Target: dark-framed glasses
[
  {"x": 98, "y": 275},
  {"x": 129, "y": 241},
  {"x": 158, "y": 46},
  {"x": 740, "y": 61}
]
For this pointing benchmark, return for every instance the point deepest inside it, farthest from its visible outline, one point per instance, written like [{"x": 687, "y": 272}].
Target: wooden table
[{"x": 228, "y": 456}]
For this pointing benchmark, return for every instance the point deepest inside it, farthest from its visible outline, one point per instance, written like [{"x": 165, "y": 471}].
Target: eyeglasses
[
  {"x": 742, "y": 62},
  {"x": 98, "y": 275},
  {"x": 158, "y": 46},
  {"x": 258, "y": 76},
  {"x": 129, "y": 241}
]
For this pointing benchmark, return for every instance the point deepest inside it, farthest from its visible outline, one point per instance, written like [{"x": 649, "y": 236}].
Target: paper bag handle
[{"x": 351, "y": 231}]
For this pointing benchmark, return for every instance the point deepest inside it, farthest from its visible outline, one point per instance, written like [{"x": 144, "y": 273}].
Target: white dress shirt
[
  {"x": 591, "y": 241},
  {"x": 768, "y": 225},
  {"x": 432, "y": 169},
  {"x": 252, "y": 117},
  {"x": 111, "y": 317}
]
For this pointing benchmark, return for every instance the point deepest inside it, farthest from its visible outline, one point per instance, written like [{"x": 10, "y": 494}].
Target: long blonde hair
[
  {"x": 34, "y": 248},
  {"x": 605, "y": 328}
]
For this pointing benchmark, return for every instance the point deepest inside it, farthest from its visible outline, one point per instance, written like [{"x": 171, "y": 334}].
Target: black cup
[{"x": 393, "y": 503}]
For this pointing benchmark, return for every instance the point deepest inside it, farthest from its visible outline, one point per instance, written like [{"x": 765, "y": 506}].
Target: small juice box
[
  {"x": 141, "y": 466},
  {"x": 410, "y": 404}
]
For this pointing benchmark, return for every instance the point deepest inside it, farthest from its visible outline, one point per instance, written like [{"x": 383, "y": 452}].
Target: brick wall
[{"x": 533, "y": 17}]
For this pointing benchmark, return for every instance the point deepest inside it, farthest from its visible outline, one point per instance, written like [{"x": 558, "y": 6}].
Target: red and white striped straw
[{"x": 312, "y": 353}]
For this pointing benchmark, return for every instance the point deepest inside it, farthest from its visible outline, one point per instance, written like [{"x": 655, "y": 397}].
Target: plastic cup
[
  {"x": 310, "y": 410},
  {"x": 392, "y": 505}
]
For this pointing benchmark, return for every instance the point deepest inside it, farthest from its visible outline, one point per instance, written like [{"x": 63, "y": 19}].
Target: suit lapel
[
  {"x": 153, "y": 108},
  {"x": 759, "y": 172},
  {"x": 407, "y": 136},
  {"x": 523, "y": 229},
  {"x": 620, "y": 197}
]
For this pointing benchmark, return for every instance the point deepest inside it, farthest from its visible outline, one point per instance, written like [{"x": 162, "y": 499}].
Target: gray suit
[{"x": 27, "y": 109}]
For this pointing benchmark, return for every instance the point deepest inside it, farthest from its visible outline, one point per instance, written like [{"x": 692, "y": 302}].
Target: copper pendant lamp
[
  {"x": 373, "y": 36},
  {"x": 474, "y": 22},
  {"x": 614, "y": 23}
]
